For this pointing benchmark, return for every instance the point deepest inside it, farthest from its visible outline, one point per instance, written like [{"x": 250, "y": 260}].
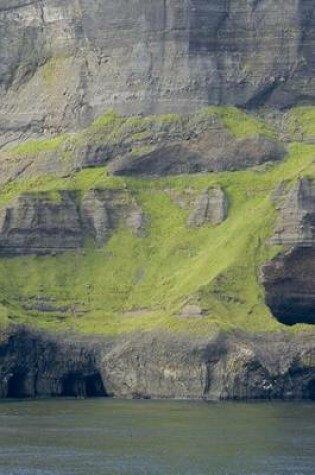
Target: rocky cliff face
[
  {"x": 236, "y": 367},
  {"x": 63, "y": 62},
  {"x": 211, "y": 152},
  {"x": 289, "y": 278},
  {"x": 211, "y": 207},
  {"x": 34, "y": 364},
  {"x": 168, "y": 217},
  {"x": 43, "y": 223}
]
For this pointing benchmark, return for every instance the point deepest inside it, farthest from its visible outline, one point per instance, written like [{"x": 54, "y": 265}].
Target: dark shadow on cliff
[
  {"x": 38, "y": 364},
  {"x": 16, "y": 386},
  {"x": 310, "y": 390},
  {"x": 78, "y": 385}
]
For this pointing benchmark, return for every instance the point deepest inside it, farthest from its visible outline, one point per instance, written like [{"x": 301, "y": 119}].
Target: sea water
[{"x": 108, "y": 437}]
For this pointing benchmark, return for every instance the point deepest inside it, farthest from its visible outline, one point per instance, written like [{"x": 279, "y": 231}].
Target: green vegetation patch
[
  {"x": 35, "y": 147},
  {"x": 302, "y": 122},
  {"x": 241, "y": 124},
  {"x": 144, "y": 282},
  {"x": 136, "y": 283},
  {"x": 53, "y": 70},
  {"x": 110, "y": 118}
]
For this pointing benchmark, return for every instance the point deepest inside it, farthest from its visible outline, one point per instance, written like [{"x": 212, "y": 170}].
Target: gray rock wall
[
  {"x": 157, "y": 365},
  {"x": 206, "y": 153},
  {"x": 211, "y": 207},
  {"x": 63, "y": 62},
  {"x": 42, "y": 223}
]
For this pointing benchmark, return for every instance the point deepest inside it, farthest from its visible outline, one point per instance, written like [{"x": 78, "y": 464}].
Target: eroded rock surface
[
  {"x": 43, "y": 223},
  {"x": 157, "y": 365},
  {"x": 289, "y": 279},
  {"x": 210, "y": 208},
  {"x": 208, "y": 153},
  {"x": 63, "y": 62},
  {"x": 297, "y": 215}
]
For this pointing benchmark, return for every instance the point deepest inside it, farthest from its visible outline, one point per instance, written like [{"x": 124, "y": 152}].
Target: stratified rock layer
[
  {"x": 63, "y": 62},
  {"x": 46, "y": 224}
]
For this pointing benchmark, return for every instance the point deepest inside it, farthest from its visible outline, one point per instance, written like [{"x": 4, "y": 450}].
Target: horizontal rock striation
[
  {"x": 45, "y": 223},
  {"x": 297, "y": 214},
  {"x": 157, "y": 365},
  {"x": 63, "y": 62},
  {"x": 289, "y": 278}
]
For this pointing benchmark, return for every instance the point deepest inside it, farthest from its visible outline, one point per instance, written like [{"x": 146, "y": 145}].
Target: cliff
[
  {"x": 155, "y": 239},
  {"x": 161, "y": 365},
  {"x": 194, "y": 268},
  {"x": 63, "y": 62}
]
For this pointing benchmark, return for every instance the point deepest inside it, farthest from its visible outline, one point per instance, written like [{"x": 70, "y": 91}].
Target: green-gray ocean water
[{"x": 109, "y": 437}]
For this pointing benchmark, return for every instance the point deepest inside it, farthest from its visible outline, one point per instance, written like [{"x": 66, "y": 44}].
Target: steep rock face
[
  {"x": 232, "y": 367},
  {"x": 297, "y": 215},
  {"x": 157, "y": 365},
  {"x": 64, "y": 62},
  {"x": 211, "y": 207},
  {"x": 42, "y": 224},
  {"x": 289, "y": 278},
  {"x": 34, "y": 224}
]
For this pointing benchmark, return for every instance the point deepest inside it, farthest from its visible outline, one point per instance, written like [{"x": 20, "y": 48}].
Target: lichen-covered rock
[
  {"x": 210, "y": 208},
  {"x": 63, "y": 62}
]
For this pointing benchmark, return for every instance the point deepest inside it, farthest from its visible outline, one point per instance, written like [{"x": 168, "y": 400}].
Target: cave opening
[
  {"x": 292, "y": 312},
  {"x": 310, "y": 390},
  {"x": 95, "y": 386},
  {"x": 289, "y": 286},
  {"x": 82, "y": 386},
  {"x": 16, "y": 386}
]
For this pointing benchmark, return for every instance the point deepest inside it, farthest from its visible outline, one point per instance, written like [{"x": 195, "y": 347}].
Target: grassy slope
[{"x": 143, "y": 283}]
